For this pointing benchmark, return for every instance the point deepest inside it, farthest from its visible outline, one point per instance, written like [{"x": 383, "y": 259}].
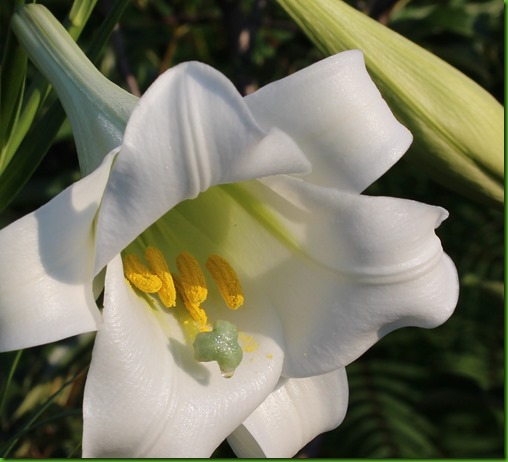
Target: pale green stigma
[{"x": 221, "y": 345}]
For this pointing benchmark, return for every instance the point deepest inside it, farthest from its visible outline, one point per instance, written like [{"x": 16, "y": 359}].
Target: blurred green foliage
[{"x": 417, "y": 393}]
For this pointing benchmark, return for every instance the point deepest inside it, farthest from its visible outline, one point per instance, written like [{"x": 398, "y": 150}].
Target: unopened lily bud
[
  {"x": 98, "y": 109},
  {"x": 457, "y": 126}
]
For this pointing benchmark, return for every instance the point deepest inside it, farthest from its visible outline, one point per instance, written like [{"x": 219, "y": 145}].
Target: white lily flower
[{"x": 271, "y": 185}]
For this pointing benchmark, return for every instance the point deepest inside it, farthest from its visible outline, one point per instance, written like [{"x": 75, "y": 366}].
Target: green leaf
[
  {"x": 5, "y": 391},
  {"x": 34, "y": 140},
  {"x": 78, "y": 16},
  {"x": 12, "y": 86},
  {"x": 33, "y": 100},
  {"x": 20, "y": 117},
  {"x": 30, "y": 153},
  {"x": 30, "y": 424}
]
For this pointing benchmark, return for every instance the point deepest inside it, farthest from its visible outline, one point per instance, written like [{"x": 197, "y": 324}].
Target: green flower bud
[
  {"x": 98, "y": 109},
  {"x": 457, "y": 126},
  {"x": 221, "y": 345}
]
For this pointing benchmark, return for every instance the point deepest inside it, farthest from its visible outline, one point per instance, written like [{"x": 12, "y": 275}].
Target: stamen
[
  {"x": 197, "y": 313},
  {"x": 139, "y": 275},
  {"x": 192, "y": 278},
  {"x": 158, "y": 265},
  {"x": 227, "y": 280}
]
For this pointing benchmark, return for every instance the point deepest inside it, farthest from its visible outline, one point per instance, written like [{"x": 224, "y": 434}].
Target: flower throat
[{"x": 213, "y": 343}]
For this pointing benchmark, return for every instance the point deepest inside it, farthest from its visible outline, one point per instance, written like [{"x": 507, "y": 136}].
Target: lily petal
[
  {"x": 46, "y": 262},
  {"x": 140, "y": 375},
  {"x": 367, "y": 266},
  {"x": 337, "y": 116},
  {"x": 191, "y": 130},
  {"x": 295, "y": 412}
]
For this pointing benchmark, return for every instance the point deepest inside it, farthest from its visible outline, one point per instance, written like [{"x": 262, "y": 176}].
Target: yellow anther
[
  {"x": 192, "y": 279},
  {"x": 197, "y": 313},
  {"x": 227, "y": 280},
  {"x": 158, "y": 265},
  {"x": 139, "y": 275}
]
